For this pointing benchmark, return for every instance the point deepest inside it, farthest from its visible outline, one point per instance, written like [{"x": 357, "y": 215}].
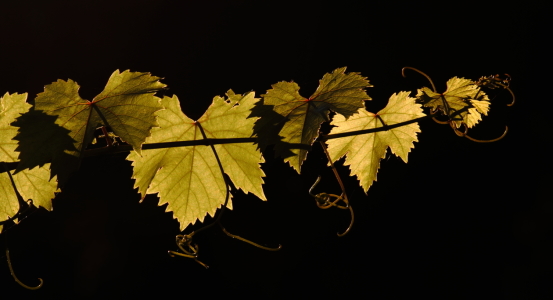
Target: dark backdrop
[{"x": 461, "y": 221}]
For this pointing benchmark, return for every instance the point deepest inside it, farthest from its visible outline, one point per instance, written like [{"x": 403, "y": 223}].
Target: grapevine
[{"x": 43, "y": 144}]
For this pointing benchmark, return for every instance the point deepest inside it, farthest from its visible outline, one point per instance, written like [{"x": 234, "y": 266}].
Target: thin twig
[
  {"x": 344, "y": 196},
  {"x": 13, "y": 273}
]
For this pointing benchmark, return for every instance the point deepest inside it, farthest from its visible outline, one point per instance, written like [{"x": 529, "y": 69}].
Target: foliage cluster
[{"x": 192, "y": 164}]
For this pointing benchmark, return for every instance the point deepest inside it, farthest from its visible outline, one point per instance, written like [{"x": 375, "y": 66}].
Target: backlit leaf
[
  {"x": 340, "y": 92},
  {"x": 32, "y": 184},
  {"x": 127, "y": 105},
  {"x": 9, "y": 205},
  {"x": 463, "y": 101},
  {"x": 35, "y": 184},
  {"x": 188, "y": 178},
  {"x": 364, "y": 152},
  {"x": 11, "y": 107}
]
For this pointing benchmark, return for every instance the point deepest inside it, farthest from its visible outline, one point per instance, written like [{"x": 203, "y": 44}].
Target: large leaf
[
  {"x": 189, "y": 178},
  {"x": 340, "y": 92},
  {"x": 462, "y": 102},
  {"x": 363, "y": 152},
  {"x": 127, "y": 105}
]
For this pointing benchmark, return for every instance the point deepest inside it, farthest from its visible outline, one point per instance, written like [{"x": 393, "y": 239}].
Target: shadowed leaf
[
  {"x": 127, "y": 105},
  {"x": 340, "y": 92},
  {"x": 34, "y": 184}
]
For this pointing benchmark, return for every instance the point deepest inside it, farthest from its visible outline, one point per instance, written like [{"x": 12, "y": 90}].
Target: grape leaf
[
  {"x": 189, "y": 178},
  {"x": 363, "y": 152},
  {"x": 9, "y": 205},
  {"x": 11, "y": 107},
  {"x": 340, "y": 92},
  {"x": 127, "y": 105},
  {"x": 462, "y": 102},
  {"x": 34, "y": 184},
  {"x": 37, "y": 185}
]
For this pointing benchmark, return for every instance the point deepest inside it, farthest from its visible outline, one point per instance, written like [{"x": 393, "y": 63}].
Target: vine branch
[{"x": 210, "y": 141}]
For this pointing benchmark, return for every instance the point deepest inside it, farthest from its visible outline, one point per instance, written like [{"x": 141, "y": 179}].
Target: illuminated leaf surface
[
  {"x": 32, "y": 184},
  {"x": 35, "y": 184},
  {"x": 48, "y": 140},
  {"x": 463, "y": 101},
  {"x": 364, "y": 152},
  {"x": 340, "y": 92},
  {"x": 189, "y": 178},
  {"x": 127, "y": 104},
  {"x": 9, "y": 205},
  {"x": 11, "y": 107},
  {"x": 61, "y": 116}
]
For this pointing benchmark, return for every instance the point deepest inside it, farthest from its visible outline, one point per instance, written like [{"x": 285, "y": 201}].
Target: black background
[{"x": 461, "y": 220}]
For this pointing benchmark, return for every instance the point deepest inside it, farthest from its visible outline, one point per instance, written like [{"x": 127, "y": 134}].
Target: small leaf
[
  {"x": 189, "y": 178},
  {"x": 462, "y": 102},
  {"x": 32, "y": 184},
  {"x": 337, "y": 91},
  {"x": 35, "y": 184},
  {"x": 344, "y": 92},
  {"x": 364, "y": 152}
]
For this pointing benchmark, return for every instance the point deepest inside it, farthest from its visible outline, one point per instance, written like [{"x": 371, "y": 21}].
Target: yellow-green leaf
[
  {"x": 9, "y": 206},
  {"x": 364, "y": 152},
  {"x": 36, "y": 184},
  {"x": 340, "y": 92},
  {"x": 62, "y": 124},
  {"x": 189, "y": 178},
  {"x": 127, "y": 104},
  {"x": 463, "y": 101},
  {"x": 32, "y": 184},
  {"x": 11, "y": 107}
]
